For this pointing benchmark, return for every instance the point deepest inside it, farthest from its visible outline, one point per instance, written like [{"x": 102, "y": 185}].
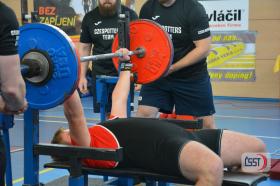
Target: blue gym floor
[{"x": 258, "y": 117}]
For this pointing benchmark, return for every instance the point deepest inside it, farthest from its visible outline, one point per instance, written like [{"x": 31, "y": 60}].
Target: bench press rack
[
  {"x": 7, "y": 122},
  {"x": 102, "y": 85}
]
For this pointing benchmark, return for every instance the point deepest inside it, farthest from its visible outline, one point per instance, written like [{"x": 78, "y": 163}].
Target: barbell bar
[
  {"x": 31, "y": 68},
  {"x": 139, "y": 52}
]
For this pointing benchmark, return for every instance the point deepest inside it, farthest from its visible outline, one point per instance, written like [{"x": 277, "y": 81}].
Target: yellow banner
[{"x": 232, "y": 56}]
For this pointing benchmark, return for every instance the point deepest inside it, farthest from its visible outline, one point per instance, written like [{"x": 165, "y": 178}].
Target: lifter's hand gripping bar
[{"x": 139, "y": 52}]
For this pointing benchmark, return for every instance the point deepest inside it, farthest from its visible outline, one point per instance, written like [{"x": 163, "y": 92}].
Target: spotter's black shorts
[{"x": 192, "y": 97}]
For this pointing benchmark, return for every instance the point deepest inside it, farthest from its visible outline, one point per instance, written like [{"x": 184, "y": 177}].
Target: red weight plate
[{"x": 158, "y": 47}]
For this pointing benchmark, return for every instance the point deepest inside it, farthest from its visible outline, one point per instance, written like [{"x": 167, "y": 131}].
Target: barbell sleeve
[
  {"x": 24, "y": 69},
  {"x": 30, "y": 68},
  {"x": 140, "y": 52}
]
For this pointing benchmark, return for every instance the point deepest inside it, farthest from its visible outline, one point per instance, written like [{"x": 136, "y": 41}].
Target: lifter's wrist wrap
[{"x": 125, "y": 66}]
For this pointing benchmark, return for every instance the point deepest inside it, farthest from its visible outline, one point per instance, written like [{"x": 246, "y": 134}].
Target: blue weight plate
[{"x": 65, "y": 64}]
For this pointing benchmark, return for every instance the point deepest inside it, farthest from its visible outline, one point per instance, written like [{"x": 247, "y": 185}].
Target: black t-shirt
[
  {"x": 185, "y": 21},
  {"x": 9, "y": 31},
  {"x": 148, "y": 142},
  {"x": 100, "y": 31}
]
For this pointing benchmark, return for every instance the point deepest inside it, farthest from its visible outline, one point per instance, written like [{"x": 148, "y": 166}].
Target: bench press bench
[{"x": 79, "y": 173}]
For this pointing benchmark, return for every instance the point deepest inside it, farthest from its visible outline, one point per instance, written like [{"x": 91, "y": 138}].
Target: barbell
[
  {"x": 50, "y": 64},
  {"x": 139, "y": 52}
]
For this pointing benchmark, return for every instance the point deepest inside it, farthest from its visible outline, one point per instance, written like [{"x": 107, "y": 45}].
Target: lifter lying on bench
[{"x": 156, "y": 146}]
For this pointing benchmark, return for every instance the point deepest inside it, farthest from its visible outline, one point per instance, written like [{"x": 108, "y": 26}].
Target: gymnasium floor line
[
  {"x": 20, "y": 180},
  {"x": 96, "y": 119},
  {"x": 20, "y": 118},
  {"x": 243, "y": 117}
]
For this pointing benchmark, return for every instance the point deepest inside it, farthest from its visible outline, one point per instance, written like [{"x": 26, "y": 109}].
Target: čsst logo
[{"x": 256, "y": 162}]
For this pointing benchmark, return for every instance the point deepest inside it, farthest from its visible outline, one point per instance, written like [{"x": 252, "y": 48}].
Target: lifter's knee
[
  {"x": 212, "y": 173},
  {"x": 198, "y": 163},
  {"x": 208, "y": 122},
  {"x": 259, "y": 145}
]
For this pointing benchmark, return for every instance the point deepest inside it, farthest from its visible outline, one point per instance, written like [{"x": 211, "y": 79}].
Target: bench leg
[
  {"x": 164, "y": 184},
  {"x": 120, "y": 181},
  {"x": 9, "y": 177},
  {"x": 78, "y": 181},
  {"x": 31, "y": 137},
  {"x": 154, "y": 183},
  {"x": 150, "y": 183}
]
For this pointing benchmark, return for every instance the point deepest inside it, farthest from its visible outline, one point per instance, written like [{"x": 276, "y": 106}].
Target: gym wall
[{"x": 264, "y": 18}]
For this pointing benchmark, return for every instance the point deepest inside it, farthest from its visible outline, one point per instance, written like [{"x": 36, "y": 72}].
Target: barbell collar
[
  {"x": 24, "y": 69},
  {"x": 30, "y": 68},
  {"x": 36, "y": 67}
]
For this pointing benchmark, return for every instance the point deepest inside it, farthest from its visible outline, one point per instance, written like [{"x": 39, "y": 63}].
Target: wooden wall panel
[
  {"x": 138, "y": 5},
  {"x": 264, "y": 9},
  {"x": 30, "y": 6},
  {"x": 268, "y": 38},
  {"x": 16, "y": 6}
]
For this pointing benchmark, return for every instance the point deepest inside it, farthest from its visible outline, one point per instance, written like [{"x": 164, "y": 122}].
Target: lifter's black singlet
[{"x": 149, "y": 143}]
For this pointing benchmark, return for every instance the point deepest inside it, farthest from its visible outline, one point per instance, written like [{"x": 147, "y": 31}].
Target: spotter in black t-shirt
[
  {"x": 9, "y": 31},
  {"x": 100, "y": 32},
  {"x": 188, "y": 22}
]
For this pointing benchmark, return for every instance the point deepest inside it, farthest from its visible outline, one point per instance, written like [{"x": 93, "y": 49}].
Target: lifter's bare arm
[
  {"x": 74, "y": 113},
  {"x": 84, "y": 50},
  {"x": 12, "y": 85},
  {"x": 121, "y": 91}
]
